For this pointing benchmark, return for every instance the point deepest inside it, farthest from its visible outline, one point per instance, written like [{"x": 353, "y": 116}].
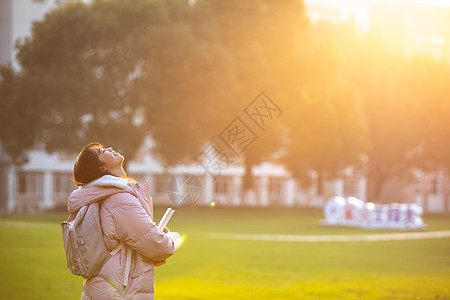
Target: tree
[
  {"x": 392, "y": 112},
  {"x": 117, "y": 71},
  {"x": 429, "y": 83},
  {"x": 428, "y": 79},
  {"x": 114, "y": 71},
  {"x": 403, "y": 101},
  {"x": 390, "y": 105},
  {"x": 269, "y": 42},
  {"x": 328, "y": 134},
  {"x": 74, "y": 85},
  {"x": 327, "y": 125}
]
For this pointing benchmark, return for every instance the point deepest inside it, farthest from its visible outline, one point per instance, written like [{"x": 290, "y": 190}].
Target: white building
[
  {"x": 16, "y": 20},
  {"x": 45, "y": 182},
  {"x": 408, "y": 27}
]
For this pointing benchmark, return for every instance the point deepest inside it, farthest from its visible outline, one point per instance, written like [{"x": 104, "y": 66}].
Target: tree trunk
[
  {"x": 248, "y": 183},
  {"x": 248, "y": 193},
  {"x": 377, "y": 188},
  {"x": 4, "y": 166},
  {"x": 376, "y": 179},
  {"x": 446, "y": 193},
  {"x": 320, "y": 183},
  {"x": 3, "y": 188}
]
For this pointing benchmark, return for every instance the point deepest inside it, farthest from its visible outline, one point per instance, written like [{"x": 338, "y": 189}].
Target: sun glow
[{"x": 407, "y": 27}]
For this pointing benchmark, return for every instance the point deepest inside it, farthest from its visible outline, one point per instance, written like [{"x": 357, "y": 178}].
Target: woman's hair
[{"x": 87, "y": 167}]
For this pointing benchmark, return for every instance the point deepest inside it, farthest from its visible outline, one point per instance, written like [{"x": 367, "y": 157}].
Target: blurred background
[
  {"x": 264, "y": 108},
  {"x": 360, "y": 90}
]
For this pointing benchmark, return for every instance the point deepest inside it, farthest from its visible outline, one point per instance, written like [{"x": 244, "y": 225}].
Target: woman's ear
[{"x": 103, "y": 169}]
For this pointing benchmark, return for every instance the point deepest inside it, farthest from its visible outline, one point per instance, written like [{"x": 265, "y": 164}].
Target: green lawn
[{"x": 33, "y": 263}]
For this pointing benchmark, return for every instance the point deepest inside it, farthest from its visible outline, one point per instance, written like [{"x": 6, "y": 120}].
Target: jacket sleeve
[{"x": 132, "y": 225}]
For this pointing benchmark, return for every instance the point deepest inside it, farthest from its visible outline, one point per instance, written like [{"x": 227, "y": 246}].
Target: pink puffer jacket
[{"x": 126, "y": 213}]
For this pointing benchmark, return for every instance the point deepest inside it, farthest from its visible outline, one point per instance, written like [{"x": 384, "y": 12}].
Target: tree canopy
[
  {"x": 119, "y": 71},
  {"x": 403, "y": 103}
]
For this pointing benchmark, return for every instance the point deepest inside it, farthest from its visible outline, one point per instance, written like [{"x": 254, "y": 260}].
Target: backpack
[{"x": 85, "y": 248}]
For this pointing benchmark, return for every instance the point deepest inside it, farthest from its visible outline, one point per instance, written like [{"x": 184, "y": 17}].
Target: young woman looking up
[{"x": 126, "y": 216}]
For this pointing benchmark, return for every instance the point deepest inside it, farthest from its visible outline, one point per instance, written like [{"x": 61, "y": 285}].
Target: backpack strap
[
  {"x": 128, "y": 264},
  {"x": 117, "y": 249}
]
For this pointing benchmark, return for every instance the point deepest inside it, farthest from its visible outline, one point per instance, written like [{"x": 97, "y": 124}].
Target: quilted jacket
[{"x": 126, "y": 214}]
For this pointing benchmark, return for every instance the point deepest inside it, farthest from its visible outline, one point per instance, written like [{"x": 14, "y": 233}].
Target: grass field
[{"x": 33, "y": 263}]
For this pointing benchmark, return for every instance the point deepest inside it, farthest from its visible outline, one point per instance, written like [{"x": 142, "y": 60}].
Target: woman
[{"x": 126, "y": 213}]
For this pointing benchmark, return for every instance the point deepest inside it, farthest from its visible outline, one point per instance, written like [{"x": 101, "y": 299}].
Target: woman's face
[{"x": 110, "y": 158}]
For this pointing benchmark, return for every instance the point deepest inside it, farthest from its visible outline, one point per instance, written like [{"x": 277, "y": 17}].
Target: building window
[
  {"x": 433, "y": 46},
  {"x": 161, "y": 183},
  {"x": 63, "y": 183},
  {"x": 419, "y": 185},
  {"x": 351, "y": 186},
  {"x": 29, "y": 183},
  {"x": 221, "y": 185},
  {"x": 434, "y": 184},
  {"x": 275, "y": 190},
  {"x": 275, "y": 187}
]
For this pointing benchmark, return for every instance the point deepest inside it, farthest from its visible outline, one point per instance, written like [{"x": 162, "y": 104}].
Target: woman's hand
[{"x": 162, "y": 262}]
